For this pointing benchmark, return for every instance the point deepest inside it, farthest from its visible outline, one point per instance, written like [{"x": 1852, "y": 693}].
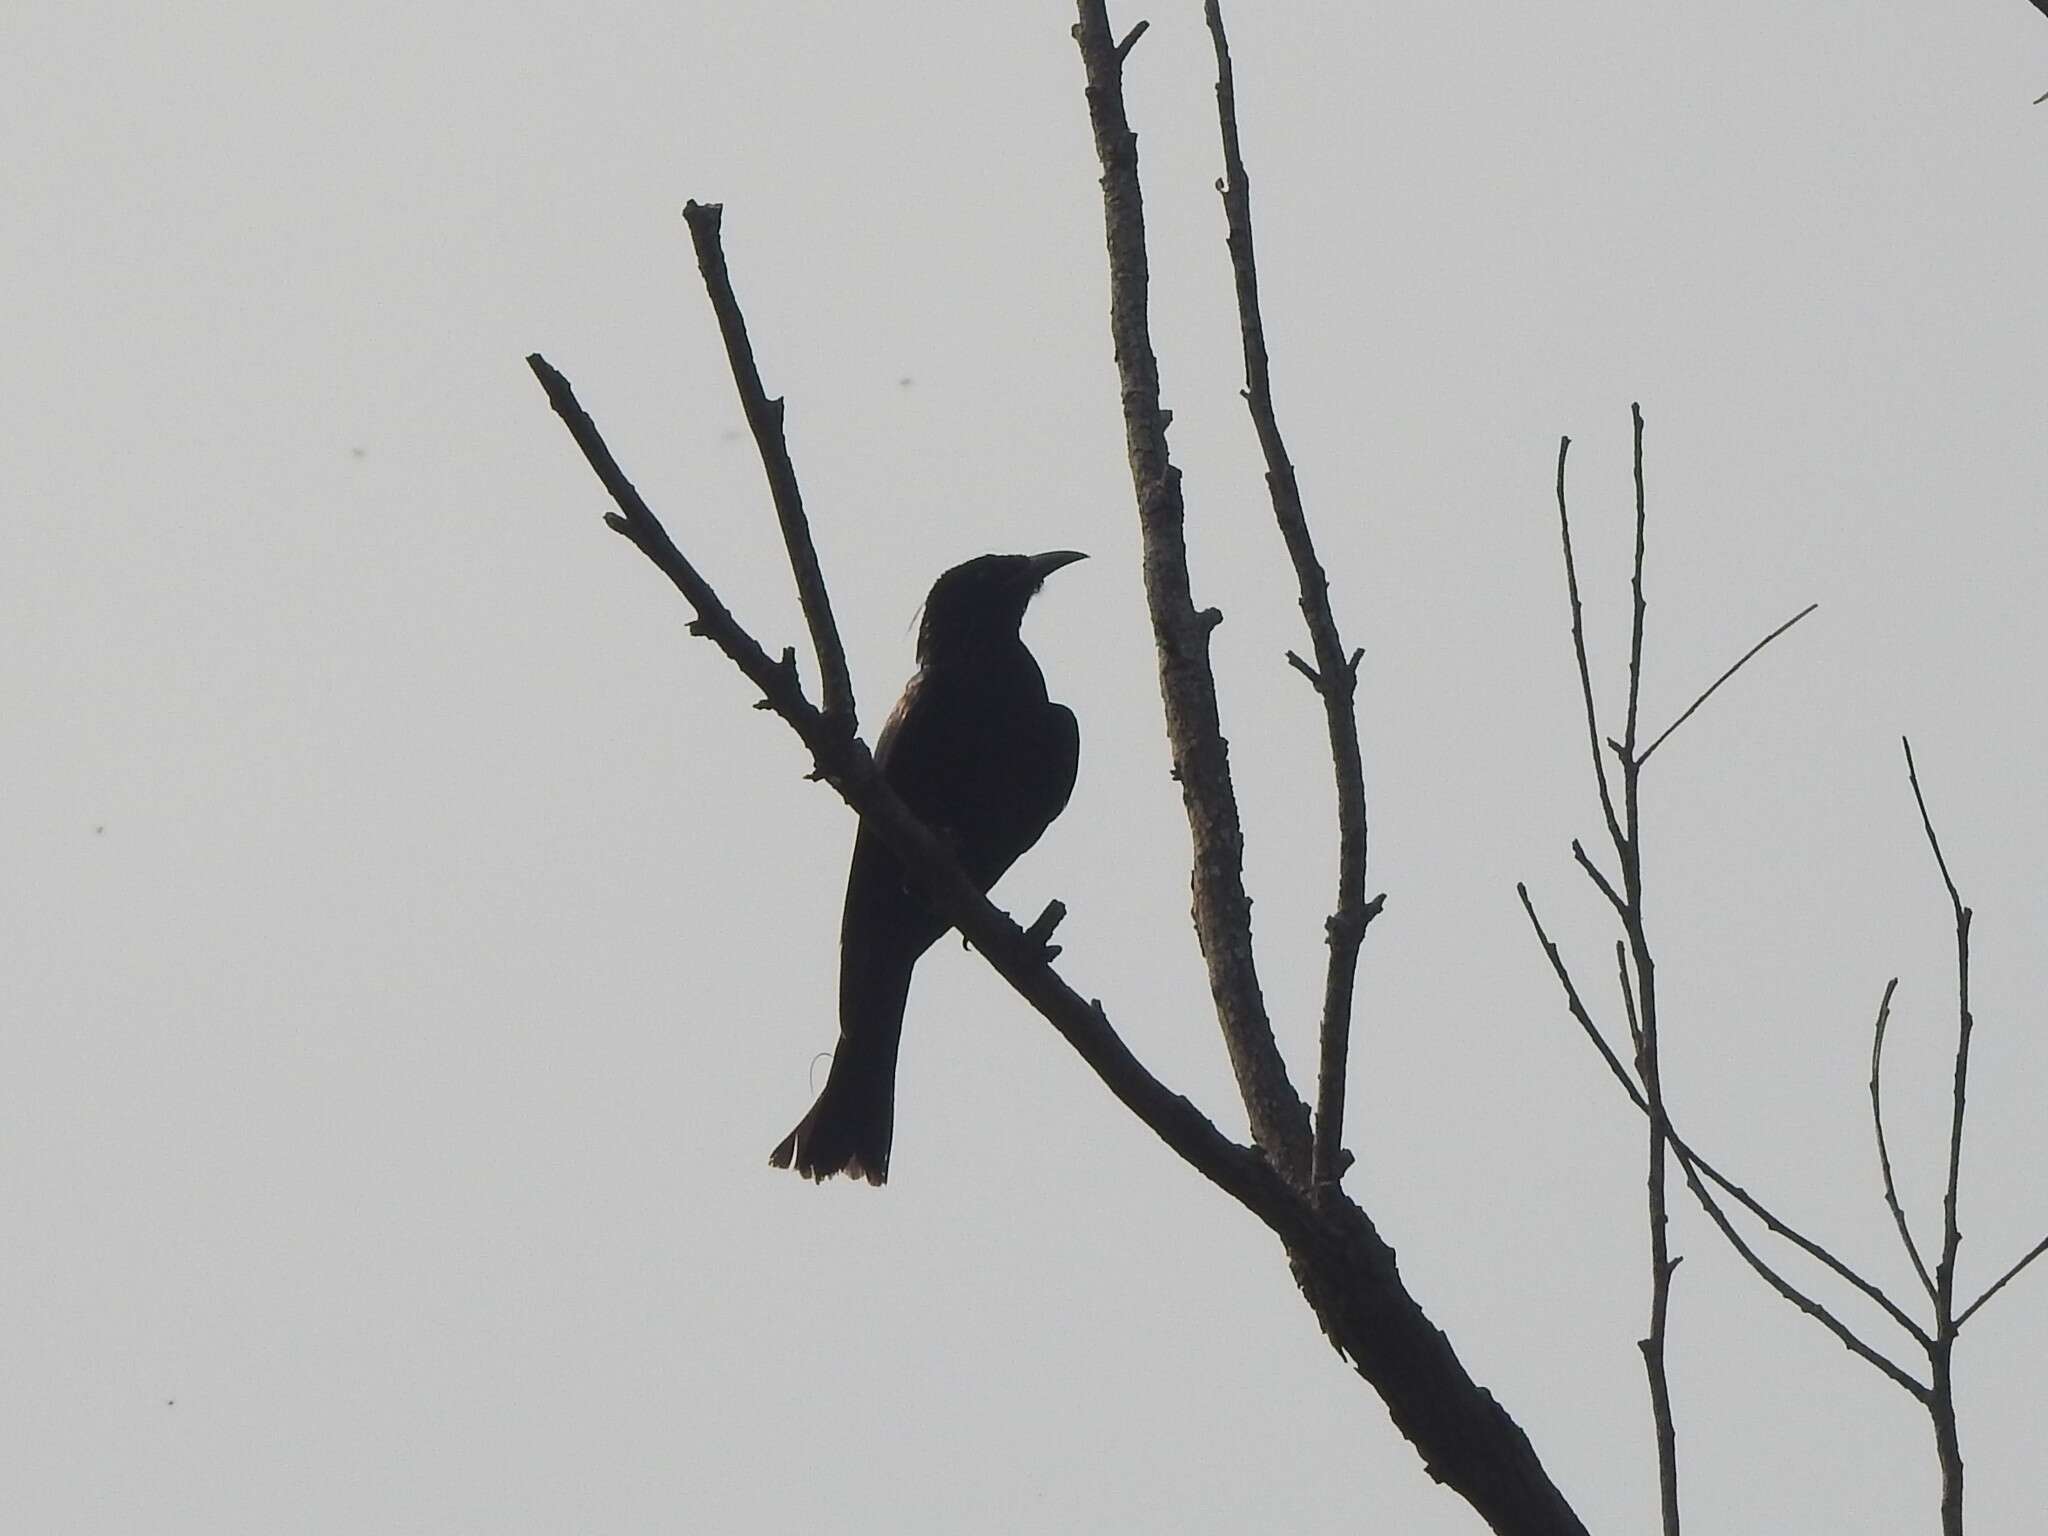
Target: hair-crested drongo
[{"x": 979, "y": 754}]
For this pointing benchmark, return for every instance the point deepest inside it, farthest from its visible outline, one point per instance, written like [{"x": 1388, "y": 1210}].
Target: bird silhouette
[{"x": 985, "y": 759}]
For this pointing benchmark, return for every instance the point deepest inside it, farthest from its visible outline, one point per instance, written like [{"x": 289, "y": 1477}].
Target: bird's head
[{"x": 981, "y": 603}]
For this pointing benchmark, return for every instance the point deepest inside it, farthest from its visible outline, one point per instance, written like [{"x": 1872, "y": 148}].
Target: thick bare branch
[
  {"x": 1717, "y": 682},
  {"x": 1884, "y": 1156},
  {"x": 764, "y": 419},
  {"x": 1345, "y": 1268},
  {"x": 1335, "y": 676},
  {"x": 1187, "y": 681}
]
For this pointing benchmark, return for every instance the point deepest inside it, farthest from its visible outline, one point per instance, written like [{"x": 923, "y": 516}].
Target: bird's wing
[{"x": 987, "y": 774}]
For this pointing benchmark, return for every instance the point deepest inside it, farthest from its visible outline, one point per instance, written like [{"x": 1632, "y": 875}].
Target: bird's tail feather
[{"x": 849, "y": 1128}]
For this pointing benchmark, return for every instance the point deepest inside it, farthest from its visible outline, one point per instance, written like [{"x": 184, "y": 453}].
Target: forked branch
[
  {"x": 842, "y": 760},
  {"x": 764, "y": 420}
]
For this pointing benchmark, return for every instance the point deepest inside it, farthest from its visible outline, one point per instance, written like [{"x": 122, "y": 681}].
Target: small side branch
[
  {"x": 1884, "y": 1157},
  {"x": 1739, "y": 665},
  {"x": 1334, "y": 675},
  {"x": 775, "y": 679},
  {"x": 1571, "y": 582},
  {"x": 1999, "y": 1284},
  {"x": 764, "y": 419}
]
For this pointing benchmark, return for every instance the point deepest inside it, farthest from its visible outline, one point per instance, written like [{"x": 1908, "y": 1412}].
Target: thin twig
[
  {"x": 1886, "y": 1367},
  {"x": 1689, "y": 1161},
  {"x": 1335, "y": 679},
  {"x": 1884, "y": 1157},
  {"x": 1628, "y": 994},
  {"x": 1636, "y": 625},
  {"x": 1571, "y": 582},
  {"x": 1746, "y": 655},
  {"x": 1187, "y": 680},
  {"x": 764, "y": 418},
  {"x": 1599, "y": 879},
  {"x": 1998, "y": 1285},
  {"x": 1944, "y": 1269}
]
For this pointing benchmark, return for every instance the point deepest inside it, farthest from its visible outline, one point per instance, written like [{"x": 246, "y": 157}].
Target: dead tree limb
[
  {"x": 1181, "y": 632},
  {"x": 1334, "y": 676}
]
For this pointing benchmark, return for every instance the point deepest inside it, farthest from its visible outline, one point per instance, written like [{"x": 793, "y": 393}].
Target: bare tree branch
[
  {"x": 1998, "y": 1285},
  {"x": 1571, "y": 581},
  {"x": 1746, "y": 655},
  {"x": 1628, "y": 995},
  {"x": 1599, "y": 878},
  {"x": 1884, "y": 1157},
  {"x": 764, "y": 418},
  {"x": 1629, "y": 848},
  {"x": 1636, "y": 625},
  {"x": 1941, "y": 1405},
  {"x": 1334, "y": 676},
  {"x": 1187, "y": 681},
  {"x": 843, "y": 761},
  {"x": 1699, "y": 1172}
]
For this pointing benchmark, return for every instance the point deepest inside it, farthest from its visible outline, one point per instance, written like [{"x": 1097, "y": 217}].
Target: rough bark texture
[{"x": 1187, "y": 685}]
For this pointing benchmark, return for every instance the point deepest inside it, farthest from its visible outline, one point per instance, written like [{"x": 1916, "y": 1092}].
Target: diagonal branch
[
  {"x": 1739, "y": 665},
  {"x": 1600, "y": 881},
  {"x": 1699, "y": 1172},
  {"x": 1884, "y": 1157},
  {"x": 1187, "y": 681},
  {"x": 1335, "y": 675},
  {"x": 1999, "y": 1284},
  {"x": 764, "y": 418},
  {"x": 843, "y": 761}
]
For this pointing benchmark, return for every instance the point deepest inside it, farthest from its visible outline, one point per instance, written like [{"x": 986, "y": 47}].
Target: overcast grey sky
[{"x": 416, "y": 944}]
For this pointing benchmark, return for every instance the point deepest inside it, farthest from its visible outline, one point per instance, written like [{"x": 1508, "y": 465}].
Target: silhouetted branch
[
  {"x": 1746, "y": 655},
  {"x": 1334, "y": 676},
  {"x": 1636, "y": 624},
  {"x": 1941, "y": 1405},
  {"x": 1600, "y": 881},
  {"x": 1699, "y": 1172},
  {"x": 1884, "y": 1157},
  {"x": 1187, "y": 681},
  {"x": 634, "y": 520},
  {"x": 764, "y": 418},
  {"x": 1999, "y": 1284},
  {"x": 1628, "y": 995},
  {"x": 1571, "y": 581},
  {"x": 843, "y": 761}
]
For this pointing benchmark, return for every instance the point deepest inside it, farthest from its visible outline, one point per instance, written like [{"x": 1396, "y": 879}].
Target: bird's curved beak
[{"x": 1044, "y": 565}]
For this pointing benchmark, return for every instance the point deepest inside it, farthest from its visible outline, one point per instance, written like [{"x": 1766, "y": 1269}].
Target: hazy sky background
[{"x": 416, "y": 944}]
